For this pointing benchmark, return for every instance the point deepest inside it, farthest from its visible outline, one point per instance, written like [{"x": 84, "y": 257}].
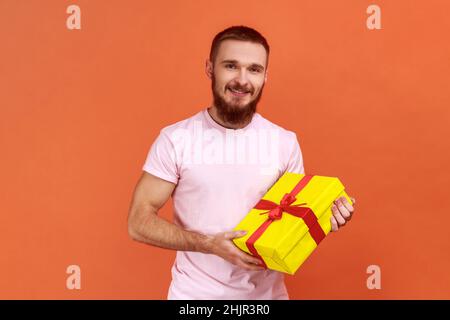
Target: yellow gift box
[{"x": 291, "y": 219}]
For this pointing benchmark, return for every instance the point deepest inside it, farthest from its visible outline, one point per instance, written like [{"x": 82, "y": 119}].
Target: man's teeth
[{"x": 238, "y": 91}]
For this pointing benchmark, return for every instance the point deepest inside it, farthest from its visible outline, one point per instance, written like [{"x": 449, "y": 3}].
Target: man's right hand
[
  {"x": 144, "y": 225},
  {"x": 222, "y": 245}
]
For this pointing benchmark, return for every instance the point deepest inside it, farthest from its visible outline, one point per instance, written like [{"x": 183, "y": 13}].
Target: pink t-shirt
[{"x": 220, "y": 174}]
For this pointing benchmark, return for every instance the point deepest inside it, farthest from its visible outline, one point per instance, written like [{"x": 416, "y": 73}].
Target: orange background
[{"x": 79, "y": 110}]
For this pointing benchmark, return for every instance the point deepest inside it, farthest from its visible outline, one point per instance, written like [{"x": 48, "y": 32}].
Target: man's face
[{"x": 238, "y": 77}]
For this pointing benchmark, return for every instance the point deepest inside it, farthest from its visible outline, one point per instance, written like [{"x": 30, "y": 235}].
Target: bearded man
[{"x": 211, "y": 193}]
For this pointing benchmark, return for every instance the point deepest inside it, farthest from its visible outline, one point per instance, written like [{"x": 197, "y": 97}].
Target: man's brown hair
[{"x": 241, "y": 33}]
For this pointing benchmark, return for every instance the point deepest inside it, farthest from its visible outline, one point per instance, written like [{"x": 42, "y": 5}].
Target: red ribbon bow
[{"x": 275, "y": 212}]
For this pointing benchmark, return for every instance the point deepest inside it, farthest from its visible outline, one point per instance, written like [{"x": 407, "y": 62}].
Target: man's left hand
[{"x": 342, "y": 212}]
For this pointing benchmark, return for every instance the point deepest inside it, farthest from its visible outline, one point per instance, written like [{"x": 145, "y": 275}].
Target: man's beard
[{"x": 234, "y": 113}]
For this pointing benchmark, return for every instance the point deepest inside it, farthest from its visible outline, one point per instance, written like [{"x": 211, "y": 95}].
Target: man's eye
[
  {"x": 255, "y": 70},
  {"x": 230, "y": 66}
]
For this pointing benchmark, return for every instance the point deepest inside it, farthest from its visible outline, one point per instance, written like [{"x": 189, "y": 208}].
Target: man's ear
[
  {"x": 209, "y": 68},
  {"x": 265, "y": 76}
]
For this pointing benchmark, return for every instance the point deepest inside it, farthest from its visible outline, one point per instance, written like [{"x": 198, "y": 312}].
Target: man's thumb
[{"x": 235, "y": 234}]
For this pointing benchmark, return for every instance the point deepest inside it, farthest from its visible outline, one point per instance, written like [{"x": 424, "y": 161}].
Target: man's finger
[
  {"x": 347, "y": 205},
  {"x": 234, "y": 234},
  {"x": 345, "y": 213},
  {"x": 243, "y": 262},
  {"x": 254, "y": 266},
  {"x": 353, "y": 200},
  {"x": 248, "y": 258},
  {"x": 340, "y": 220},
  {"x": 334, "y": 224}
]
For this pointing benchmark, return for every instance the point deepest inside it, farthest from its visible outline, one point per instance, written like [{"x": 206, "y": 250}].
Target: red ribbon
[{"x": 276, "y": 212}]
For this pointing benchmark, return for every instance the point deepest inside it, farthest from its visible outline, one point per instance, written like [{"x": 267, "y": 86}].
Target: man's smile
[{"x": 238, "y": 92}]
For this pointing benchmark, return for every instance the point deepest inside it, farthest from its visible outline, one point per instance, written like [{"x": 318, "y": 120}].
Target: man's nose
[{"x": 242, "y": 77}]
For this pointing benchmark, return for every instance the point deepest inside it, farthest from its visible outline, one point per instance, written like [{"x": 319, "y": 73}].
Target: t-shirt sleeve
[
  {"x": 161, "y": 159},
  {"x": 295, "y": 161}
]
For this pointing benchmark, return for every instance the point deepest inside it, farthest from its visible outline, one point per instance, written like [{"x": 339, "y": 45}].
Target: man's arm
[{"x": 144, "y": 225}]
